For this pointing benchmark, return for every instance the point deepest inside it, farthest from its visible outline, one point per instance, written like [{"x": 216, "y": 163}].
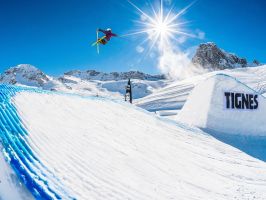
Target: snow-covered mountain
[
  {"x": 87, "y": 83},
  {"x": 28, "y": 75},
  {"x": 24, "y": 74},
  {"x": 209, "y": 56},
  {"x": 101, "y": 76}
]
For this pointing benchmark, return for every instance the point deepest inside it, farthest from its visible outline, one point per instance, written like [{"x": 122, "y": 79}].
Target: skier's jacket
[{"x": 108, "y": 34}]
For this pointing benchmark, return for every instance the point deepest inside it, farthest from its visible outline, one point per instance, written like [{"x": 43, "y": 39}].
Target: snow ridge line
[
  {"x": 237, "y": 80},
  {"x": 40, "y": 182}
]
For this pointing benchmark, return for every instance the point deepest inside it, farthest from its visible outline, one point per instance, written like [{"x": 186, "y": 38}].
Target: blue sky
[{"x": 56, "y": 35}]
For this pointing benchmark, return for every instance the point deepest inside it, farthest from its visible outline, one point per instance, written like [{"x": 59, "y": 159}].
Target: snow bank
[
  {"x": 67, "y": 147},
  {"x": 224, "y": 104}
]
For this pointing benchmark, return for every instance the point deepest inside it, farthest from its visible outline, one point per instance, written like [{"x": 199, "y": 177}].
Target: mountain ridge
[{"x": 210, "y": 56}]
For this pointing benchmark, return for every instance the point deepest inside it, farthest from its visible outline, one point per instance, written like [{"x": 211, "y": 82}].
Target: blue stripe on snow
[{"x": 36, "y": 177}]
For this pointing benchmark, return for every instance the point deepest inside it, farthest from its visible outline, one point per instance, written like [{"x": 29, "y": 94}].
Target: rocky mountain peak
[
  {"x": 211, "y": 57},
  {"x": 24, "y": 74}
]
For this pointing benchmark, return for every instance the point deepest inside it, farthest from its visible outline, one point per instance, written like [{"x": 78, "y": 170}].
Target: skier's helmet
[{"x": 109, "y": 29}]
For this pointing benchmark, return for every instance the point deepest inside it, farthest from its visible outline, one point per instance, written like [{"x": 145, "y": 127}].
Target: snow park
[{"x": 132, "y": 99}]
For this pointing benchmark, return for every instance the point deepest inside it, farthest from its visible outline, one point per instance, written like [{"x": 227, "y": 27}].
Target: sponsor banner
[{"x": 241, "y": 101}]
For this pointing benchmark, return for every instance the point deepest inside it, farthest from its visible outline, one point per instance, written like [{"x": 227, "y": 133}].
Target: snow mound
[
  {"x": 224, "y": 104},
  {"x": 67, "y": 147}
]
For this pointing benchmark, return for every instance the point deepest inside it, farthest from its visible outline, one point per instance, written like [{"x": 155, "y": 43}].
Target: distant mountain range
[
  {"x": 95, "y": 75},
  {"x": 89, "y": 82},
  {"x": 26, "y": 74},
  {"x": 208, "y": 56}
]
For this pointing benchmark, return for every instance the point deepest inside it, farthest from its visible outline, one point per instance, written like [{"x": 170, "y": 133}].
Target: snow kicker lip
[{"x": 33, "y": 174}]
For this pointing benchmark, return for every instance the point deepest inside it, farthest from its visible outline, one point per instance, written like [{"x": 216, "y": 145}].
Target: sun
[{"x": 161, "y": 27}]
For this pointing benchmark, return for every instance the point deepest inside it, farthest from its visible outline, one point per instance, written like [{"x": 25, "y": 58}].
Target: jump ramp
[{"x": 226, "y": 105}]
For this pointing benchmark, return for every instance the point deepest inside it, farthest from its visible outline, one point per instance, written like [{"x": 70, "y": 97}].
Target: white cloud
[
  {"x": 173, "y": 63},
  {"x": 182, "y": 39},
  {"x": 200, "y": 34},
  {"x": 191, "y": 51},
  {"x": 139, "y": 49},
  {"x": 176, "y": 63}
]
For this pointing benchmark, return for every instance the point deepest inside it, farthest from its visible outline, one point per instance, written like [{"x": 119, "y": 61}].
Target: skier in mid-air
[
  {"x": 104, "y": 39},
  {"x": 108, "y": 34}
]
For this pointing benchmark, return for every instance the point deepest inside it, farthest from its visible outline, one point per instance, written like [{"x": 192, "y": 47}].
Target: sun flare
[{"x": 161, "y": 27}]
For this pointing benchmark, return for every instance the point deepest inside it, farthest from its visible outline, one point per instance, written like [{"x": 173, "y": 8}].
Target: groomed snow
[{"x": 101, "y": 149}]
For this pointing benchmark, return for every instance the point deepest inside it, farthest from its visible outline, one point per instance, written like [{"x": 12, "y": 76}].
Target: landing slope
[{"x": 65, "y": 146}]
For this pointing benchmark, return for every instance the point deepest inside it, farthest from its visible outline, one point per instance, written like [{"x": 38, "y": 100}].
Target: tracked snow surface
[{"x": 69, "y": 147}]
